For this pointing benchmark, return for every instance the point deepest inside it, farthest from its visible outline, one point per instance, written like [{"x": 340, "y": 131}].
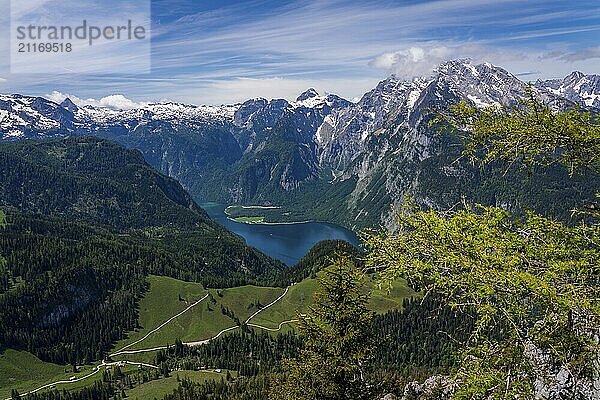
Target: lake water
[{"x": 285, "y": 242}]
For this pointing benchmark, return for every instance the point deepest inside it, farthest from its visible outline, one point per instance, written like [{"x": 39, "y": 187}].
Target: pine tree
[{"x": 338, "y": 341}]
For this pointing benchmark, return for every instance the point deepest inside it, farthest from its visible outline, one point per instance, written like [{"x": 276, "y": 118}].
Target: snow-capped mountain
[
  {"x": 576, "y": 87},
  {"x": 22, "y": 116},
  {"x": 31, "y": 117},
  {"x": 395, "y": 106},
  {"x": 353, "y": 157}
]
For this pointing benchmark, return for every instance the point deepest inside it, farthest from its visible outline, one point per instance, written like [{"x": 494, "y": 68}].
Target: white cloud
[
  {"x": 421, "y": 59},
  {"x": 413, "y": 61},
  {"x": 119, "y": 102},
  {"x": 59, "y": 97},
  {"x": 115, "y": 101}
]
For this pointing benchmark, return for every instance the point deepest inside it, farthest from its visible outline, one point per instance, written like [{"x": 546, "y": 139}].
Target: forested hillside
[
  {"x": 64, "y": 279},
  {"x": 93, "y": 180},
  {"x": 86, "y": 222},
  {"x": 103, "y": 184}
]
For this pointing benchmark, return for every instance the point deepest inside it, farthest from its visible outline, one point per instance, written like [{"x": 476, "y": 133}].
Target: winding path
[
  {"x": 268, "y": 305},
  {"x": 274, "y": 329},
  {"x": 157, "y": 328},
  {"x": 124, "y": 350},
  {"x": 205, "y": 341},
  {"x": 96, "y": 369}
]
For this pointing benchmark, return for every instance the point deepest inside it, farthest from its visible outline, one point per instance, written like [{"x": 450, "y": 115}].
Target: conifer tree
[{"x": 338, "y": 341}]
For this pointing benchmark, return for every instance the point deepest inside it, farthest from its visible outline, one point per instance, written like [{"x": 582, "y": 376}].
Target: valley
[
  {"x": 177, "y": 310},
  {"x": 323, "y": 158}
]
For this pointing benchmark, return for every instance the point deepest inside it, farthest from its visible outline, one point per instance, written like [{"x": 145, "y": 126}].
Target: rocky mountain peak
[
  {"x": 573, "y": 77},
  {"x": 455, "y": 66},
  {"x": 308, "y": 94},
  {"x": 69, "y": 105},
  {"x": 576, "y": 87},
  {"x": 482, "y": 84}
]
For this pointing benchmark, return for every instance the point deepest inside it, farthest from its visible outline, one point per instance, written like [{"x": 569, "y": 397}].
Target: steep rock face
[
  {"x": 279, "y": 141},
  {"x": 385, "y": 140},
  {"x": 397, "y": 107},
  {"x": 343, "y": 134},
  {"x": 255, "y": 120},
  {"x": 354, "y": 159}
]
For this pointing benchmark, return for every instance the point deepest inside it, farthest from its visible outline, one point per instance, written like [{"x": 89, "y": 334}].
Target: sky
[{"x": 225, "y": 51}]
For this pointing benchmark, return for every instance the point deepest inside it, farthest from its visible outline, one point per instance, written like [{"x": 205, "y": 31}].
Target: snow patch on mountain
[
  {"x": 576, "y": 87},
  {"x": 382, "y": 142}
]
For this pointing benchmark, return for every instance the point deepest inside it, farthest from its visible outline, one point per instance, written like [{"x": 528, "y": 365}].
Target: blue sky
[{"x": 227, "y": 51}]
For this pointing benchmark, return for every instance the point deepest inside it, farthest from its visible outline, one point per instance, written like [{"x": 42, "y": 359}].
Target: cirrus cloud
[{"x": 583, "y": 54}]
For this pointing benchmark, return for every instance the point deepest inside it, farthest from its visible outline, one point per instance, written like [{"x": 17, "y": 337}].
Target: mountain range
[{"x": 324, "y": 157}]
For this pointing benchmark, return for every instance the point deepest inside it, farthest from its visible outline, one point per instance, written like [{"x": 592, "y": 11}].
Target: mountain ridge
[
  {"x": 577, "y": 87},
  {"x": 319, "y": 154}
]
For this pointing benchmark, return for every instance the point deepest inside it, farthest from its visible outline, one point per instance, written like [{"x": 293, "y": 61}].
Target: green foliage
[
  {"x": 317, "y": 258},
  {"x": 530, "y": 132},
  {"x": 245, "y": 351},
  {"x": 424, "y": 336},
  {"x": 531, "y": 280},
  {"x": 92, "y": 180},
  {"x": 120, "y": 382},
  {"x": 413, "y": 341},
  {"x": 338, "y": 341},
  {"x": 316, "y": 200}
]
